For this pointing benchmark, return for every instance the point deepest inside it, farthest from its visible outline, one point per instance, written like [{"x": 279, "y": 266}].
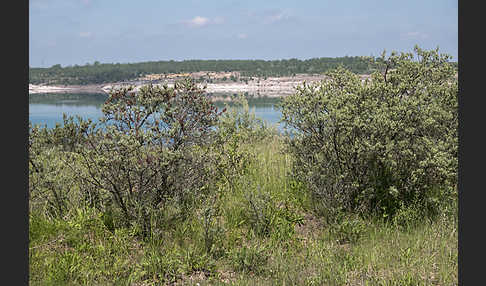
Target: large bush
[
  {"x": 378, "y": 145},
  {"x": 151, "y": 146}
]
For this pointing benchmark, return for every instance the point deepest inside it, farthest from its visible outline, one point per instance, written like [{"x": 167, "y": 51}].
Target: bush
[
  {"x": 347, "y": 229},
  {"x": 265, "y": 216},
  {"x": 50, "y": 184},
  {"x": 149, "y": 147},
  {"x": 250, "y": 259},
  {"x": 376, "y": 145}
]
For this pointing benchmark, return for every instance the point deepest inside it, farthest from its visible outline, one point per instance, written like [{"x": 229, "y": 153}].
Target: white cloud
[
  {"x": 242, "y": 36},
  {"x": 200, "y": 21}
]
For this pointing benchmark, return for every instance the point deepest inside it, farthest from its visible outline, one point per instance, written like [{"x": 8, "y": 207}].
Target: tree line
[{"x": 97, "y": 73}]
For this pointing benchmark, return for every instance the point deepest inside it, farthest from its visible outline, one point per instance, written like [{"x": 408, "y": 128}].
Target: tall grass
[{"x": 261, "y": 231}]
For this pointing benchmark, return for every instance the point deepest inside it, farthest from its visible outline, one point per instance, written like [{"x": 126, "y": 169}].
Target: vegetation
[
  {"x": 102, "y": 73},
  {"x": 150, "y": 147},
  {"x": 168, "y": 190},
  {"x": 377, "y": 146}
]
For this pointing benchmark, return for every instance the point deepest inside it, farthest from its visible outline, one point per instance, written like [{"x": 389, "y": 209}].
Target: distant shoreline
[
  {"x": 271, "y": 86},
  {"x": 39, "y": 89}
]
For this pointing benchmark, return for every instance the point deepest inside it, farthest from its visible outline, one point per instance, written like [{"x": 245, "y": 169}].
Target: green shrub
[
  {"x": 267, "y": 217},
  {"x": 51, "y": 185},
  {"x": 250, "y": 259},
  {"x": 213, "y": 232},
  {"x": 157, "y": 264},
  {"x": 347, "y": 229},
  {"x": 151, "y": 146},
  {"x": 376, "y": 145},
  {"x": 409, "y": 216}
]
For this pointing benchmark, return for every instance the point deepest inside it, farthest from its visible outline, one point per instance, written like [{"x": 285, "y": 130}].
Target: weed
[
  {"x": 250, "y": 259},
  {"x": 347, "y": 230}
]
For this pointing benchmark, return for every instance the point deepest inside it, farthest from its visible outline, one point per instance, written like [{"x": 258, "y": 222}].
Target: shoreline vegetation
[
  {"x": 271, "y": 78},
  {"x": 208, "y": 71}
]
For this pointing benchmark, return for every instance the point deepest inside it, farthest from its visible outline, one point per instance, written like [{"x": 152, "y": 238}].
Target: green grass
[{"x": 261, "y": 231}]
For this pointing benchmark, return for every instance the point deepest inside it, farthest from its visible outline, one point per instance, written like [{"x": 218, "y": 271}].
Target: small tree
[
  {"x": 150, "y": 147},
  {"x": 373, "y": 146}
]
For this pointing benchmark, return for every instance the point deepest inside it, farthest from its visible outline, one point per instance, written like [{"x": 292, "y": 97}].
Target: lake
[{"x": 48, "y": 109}]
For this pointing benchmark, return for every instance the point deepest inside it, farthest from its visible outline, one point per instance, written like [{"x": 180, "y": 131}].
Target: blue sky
[{"x": 70, "y": 32}]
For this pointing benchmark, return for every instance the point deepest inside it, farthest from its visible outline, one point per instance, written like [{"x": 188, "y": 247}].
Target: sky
[{"x": 77, "y": 32}]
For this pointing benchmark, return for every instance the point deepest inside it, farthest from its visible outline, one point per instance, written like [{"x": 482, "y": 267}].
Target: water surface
[{"x": 48, "y": 109}]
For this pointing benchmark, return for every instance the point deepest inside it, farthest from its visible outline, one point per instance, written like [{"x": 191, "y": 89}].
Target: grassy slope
[{"x": 259, "y": 231}]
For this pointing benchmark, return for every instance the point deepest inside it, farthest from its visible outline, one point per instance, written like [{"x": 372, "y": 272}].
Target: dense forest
[{"x": 97, "y": 73}]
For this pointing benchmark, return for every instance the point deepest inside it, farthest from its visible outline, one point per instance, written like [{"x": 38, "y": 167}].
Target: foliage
[
  {"x": 230, "y": 213},
  {"x": 373, "y": 146},
  {"x": 347, "y": 229},
  {"x": 267, "y": 216},
  {"x": 82, "y": 249},
  {"x": 50, "y": 185},
  {"x": 117, "y": 72},
  {"x": 237, "y": 128},
  {"x": 250, "y": 259},
  {"x": 150, "y": 147}
]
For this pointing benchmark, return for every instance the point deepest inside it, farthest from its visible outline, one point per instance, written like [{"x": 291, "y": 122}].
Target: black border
[
  {"x": 471, "y": 117},
  {"x": 15, "y": 51},
  {"x": 15, "y": 139}
]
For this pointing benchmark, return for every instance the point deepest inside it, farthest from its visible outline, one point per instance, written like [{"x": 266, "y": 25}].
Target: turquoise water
[{"x": 48, "y": 109}]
